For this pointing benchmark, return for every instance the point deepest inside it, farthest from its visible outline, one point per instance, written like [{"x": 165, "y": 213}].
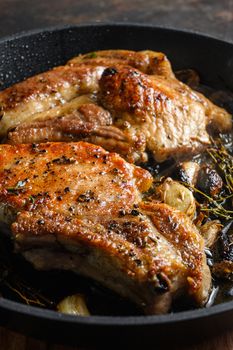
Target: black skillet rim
[{"x": 27, "y": 310}]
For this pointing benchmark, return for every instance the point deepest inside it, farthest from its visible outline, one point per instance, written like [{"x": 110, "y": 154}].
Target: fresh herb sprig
[
  {"x": 218, "y": 206},
  {"x": 223, "y": 160},
  {"x": 9, "y": 280}
]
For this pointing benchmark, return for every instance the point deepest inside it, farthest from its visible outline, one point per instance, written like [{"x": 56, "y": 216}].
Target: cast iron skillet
[{"x": 24, "y": 55}]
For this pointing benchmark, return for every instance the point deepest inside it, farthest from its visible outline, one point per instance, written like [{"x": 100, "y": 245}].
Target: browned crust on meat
[
  {"x": 73, "y": 125},
  {"x": 44, "y": 84},
  {"x": 48, "y": 161},
  {"x": 172, "y": 117},
  {"x": 153, "y": 111},
  {"x": 178, "y": 229},
  {"x": 149, "y": 62},
  {"x": 79, "y": 195}
]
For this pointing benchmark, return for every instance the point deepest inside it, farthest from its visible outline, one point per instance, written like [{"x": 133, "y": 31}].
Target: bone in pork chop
[
  {"x": 150, "y": 110},
  {"x": 74, "y": 206}
]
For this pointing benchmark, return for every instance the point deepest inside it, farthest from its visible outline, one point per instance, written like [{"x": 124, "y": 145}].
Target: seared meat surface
[
  {"x": 172, "y": 120},
  {"x": 79, "y": 76},
  {"x": 150, "y": 110},
  {"x": 74, "y": 206}
]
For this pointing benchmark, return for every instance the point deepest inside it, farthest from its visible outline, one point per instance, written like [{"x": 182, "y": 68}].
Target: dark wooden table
[{"x": 213, "y": 17}]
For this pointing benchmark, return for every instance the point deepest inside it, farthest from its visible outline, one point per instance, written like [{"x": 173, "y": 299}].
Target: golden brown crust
[
  {"x": 61, "y": 84},
  {"x": 170, "y": 115},
  {"x": 43, "y": 84},
  {"x": 174, "y": 224},
  {"x": 149, "y": 62},
  {"x": 47, "y": 162},
  {"x": 70, "y": 126},
  {"x": 78, "y": 195},
  {"x": 44, "y": 92},
  {"x": 151, "y": 109}
]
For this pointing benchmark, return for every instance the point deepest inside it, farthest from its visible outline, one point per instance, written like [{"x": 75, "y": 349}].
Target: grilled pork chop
[
  {"x": 74, "y": 206},
  {"x": 150, "y": 110}
]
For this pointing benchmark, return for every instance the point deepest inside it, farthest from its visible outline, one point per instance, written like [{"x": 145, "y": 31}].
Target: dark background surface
[{"x": 212, "y": 17}]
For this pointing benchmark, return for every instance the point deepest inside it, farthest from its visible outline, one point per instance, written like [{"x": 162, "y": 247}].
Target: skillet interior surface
[{"x": 26, "y": 54}]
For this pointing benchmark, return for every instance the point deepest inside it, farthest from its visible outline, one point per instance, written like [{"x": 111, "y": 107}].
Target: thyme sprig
[
  {"x": 223, "y": 162},
  {"x": 212, "y": 205},
  {"x": 10, "y": 281}
]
